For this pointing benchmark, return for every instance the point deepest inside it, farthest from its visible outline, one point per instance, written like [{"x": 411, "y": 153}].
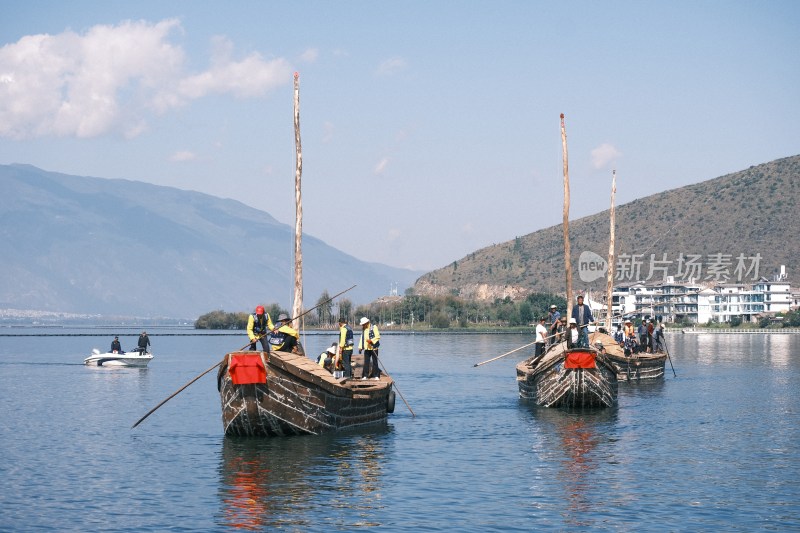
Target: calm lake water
[{"x": 715, "y": 448}]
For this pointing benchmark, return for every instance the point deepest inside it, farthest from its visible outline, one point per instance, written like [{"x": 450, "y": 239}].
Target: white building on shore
[{"x": 702, "y": 303}]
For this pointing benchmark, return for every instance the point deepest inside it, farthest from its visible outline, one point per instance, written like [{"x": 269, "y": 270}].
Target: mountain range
[
  {"x": 77, "y": 244},
  {"x": 731, "y": 229}
]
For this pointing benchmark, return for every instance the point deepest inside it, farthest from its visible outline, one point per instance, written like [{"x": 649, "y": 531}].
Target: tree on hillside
[{"x": 324, "y": 309}]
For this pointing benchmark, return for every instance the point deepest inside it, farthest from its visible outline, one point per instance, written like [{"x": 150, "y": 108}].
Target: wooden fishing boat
[
  {"x": 283, "y": 393},
  {"x": 631, "y": 367},
  {"x": 568, "y": 378}
]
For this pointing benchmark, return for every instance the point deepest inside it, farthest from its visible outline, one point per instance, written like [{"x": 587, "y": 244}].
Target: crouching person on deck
[
  {"x": 258, "y": 324},
  {"x": 327, "y": 358},
  {"x": 283, "y": 337}
]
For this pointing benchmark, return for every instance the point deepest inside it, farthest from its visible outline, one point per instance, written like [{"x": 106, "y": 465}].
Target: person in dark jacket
[
  {"x": 583, "y": 317},
  {"x": 144, "y": 342},
  {"x": 116, "y": 347}
]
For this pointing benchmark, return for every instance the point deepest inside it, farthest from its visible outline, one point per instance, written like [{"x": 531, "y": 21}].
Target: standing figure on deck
[
  {"x": 583, "y": 317},
  {"x": 541, "y": 337},
  {"x": 369, "y": 343},
  {"x": 346, "y": 346},
  {"x": 283, "y": 337},
  {"x": 258, "y": 324},
  {"x": 642, "y": 331},
  {"x": 658, "y": 338},
  {"x": 144, "y": 342}
]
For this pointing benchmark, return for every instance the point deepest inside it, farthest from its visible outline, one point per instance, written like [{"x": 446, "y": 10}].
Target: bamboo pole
[
  {"x": 610, "y": 285},
  {"x": 567, "y": 259},
  {"x": 298, "y": 224}
]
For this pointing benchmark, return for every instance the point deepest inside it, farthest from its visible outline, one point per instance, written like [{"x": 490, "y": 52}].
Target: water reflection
[
  {"x": 302, "y": 482},
  {"x": 571, "y": 439}
]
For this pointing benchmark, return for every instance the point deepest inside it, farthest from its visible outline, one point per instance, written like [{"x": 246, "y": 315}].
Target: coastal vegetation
[{"x": 410, "y": 311}]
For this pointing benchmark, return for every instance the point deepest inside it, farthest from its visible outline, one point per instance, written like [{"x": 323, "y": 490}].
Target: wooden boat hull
[
  {"x": 639, "y": 366},
  {"x": 298, "y": 397},
  {"x": 550, "y": 383},
  {"x": 629, "y": 368}
]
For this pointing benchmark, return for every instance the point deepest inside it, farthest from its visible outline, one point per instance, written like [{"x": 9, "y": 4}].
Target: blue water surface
[{"x": 715, "y": 448}]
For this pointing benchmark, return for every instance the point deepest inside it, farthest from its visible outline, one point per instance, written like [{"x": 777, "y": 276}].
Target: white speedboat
[{"x": 118, "y": 359}]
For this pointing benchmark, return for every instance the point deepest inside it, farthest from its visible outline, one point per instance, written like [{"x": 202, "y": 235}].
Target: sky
[{"x": 429, "y": 129}]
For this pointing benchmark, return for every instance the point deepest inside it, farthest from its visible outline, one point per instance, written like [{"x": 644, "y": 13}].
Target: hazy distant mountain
[
  {"x": 92, "y": 245},
  {"x": 751, "y": 214}
]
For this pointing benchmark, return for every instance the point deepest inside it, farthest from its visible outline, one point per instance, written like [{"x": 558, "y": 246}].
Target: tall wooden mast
[
  {"x": 297, "y": 307},
  {"x": 567, "y": 259},
  {"x": 610, "y": 284}
]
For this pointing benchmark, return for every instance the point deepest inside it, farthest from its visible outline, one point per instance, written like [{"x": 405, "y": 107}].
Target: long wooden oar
[
  {"x": 668, "y": 357},
  {"x": 171, "y": 396},
  {"x": 240, "y": 349},
  {"x": 505, "y": 354},
  {"x": 394, "y": 383}
]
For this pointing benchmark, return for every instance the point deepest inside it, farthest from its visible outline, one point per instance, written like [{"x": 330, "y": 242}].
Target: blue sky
[{"x": 429, "y": 129}]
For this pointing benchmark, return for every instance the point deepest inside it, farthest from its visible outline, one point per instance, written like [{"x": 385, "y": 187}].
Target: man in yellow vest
[
  {"x": 258, "y": 325},
  {"x": 346, "y": 346},
  {"x": 283, "y": 337},
  {"x": 369, "y": 343}
]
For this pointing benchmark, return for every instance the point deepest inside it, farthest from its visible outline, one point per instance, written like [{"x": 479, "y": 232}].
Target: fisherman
[
  {"x": 369, "y": 343},
  {"x": 326, "y": 359},
  {"x": 642, "y": 331},
  {"x": 630, "y": 338},
  {"x": 553, "y": 318},
  {"x": 573, "y": 335},
  {"x": 283, "y": 337},
  {"x": 583, "y": 317},
  {"x": 116, "y": 347},
  {"x": 144, "y": 342},
  {"x": 619, "y": 337},
  {"x": 541, "y": 337},
  {"x": 258, "y": 324},
  {"x": 658, "y": 338},
  {"x": 346, "y": 346}
]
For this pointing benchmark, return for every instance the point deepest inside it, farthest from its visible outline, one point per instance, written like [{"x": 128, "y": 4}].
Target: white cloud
[
  {"x": 381, "y": 166},
  {"x": 310, "y": 55},
  {"x": 183, "y": 155},
  {"x": 391, "y": 66},
  {"x": 112, "y": 77},
  {"x": 603, "y": 155}
]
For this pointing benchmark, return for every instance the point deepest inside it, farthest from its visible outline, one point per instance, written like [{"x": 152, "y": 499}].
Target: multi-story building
[{"x": 696, "y": 303}]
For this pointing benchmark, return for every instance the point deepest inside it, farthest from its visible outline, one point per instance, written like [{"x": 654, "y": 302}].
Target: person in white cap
[
  {"x": 326, "y": 358},
  {"x": 572, "y": 334},
  {"x": 369, "y": 343}
]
